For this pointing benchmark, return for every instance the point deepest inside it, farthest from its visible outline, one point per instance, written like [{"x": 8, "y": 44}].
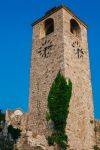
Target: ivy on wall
[{"x": 58, "y": 105}]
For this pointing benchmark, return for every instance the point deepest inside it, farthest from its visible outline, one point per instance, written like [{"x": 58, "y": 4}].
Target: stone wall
[
  {"x": 81, "y": 113},
  {"x": 43, "y": 72}
]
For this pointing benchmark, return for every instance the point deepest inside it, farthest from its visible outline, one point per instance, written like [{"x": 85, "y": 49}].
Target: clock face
[
  {"x": 46, "y": 48},
  {"x": 78, "y": 50}
]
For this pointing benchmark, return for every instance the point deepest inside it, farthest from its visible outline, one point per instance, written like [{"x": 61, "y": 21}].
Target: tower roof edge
[{"x": 55, "y": 9}]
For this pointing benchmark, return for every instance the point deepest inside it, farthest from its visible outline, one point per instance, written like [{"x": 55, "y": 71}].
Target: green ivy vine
[{"x": 58, "y": 105}]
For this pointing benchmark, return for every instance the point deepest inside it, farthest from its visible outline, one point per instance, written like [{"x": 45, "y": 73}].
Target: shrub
[
  {"x": 15, "y": 133},
  {"x": 2, "y": 116}
]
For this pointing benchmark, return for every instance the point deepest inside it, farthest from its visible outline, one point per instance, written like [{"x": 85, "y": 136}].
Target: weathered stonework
[{"x": 80, "y": 128}]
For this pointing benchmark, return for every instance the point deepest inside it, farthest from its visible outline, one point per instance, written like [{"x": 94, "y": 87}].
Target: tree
[
  {"x": 2, "y": 116},
  {"x": 58, "y": 104}
]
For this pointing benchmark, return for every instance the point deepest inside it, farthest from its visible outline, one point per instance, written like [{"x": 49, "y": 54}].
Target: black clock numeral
[
  {"x": 78, "y": 50},
  {"x": 73, "y": 45}
]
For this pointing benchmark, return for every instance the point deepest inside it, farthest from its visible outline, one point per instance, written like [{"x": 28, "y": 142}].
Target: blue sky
[{"x": 16, "y": 17}]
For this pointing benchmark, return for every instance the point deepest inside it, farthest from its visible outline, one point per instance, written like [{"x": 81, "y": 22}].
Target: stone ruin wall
[{"x": 33, "y": 142}]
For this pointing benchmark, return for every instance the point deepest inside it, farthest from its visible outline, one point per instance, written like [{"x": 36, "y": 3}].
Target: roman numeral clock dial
[
  {"x": 79, "y": 52},
  {"x": 45, "y": 49}
]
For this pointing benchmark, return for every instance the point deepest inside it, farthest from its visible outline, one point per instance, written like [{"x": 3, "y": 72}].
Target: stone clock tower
[{"x": 60, "y": 43}]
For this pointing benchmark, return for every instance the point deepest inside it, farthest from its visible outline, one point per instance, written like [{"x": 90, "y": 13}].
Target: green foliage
[
  {"x": 15, "y": 133},
  {"x": 1, "y": 128},
  {"x": 48, "y": 117},
  {"x": 2, "y": 116},
  {"x": 58, "y": 138},
  {"x": 2, "y": 120},
  {"x": 96, "y": 147},
  {"x": 58, "y": 104}
]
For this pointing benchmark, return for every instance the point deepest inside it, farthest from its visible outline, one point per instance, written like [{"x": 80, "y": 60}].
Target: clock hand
[
  {"x": 49, "y": 46},
  {"x": 39, "y": 51},
  {"x": 78, "y": 52},
  {"x": 45, "y": 50}
]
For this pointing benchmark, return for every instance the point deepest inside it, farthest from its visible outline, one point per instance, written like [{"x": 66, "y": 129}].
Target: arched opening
[
  {"x": 75, "y": 28},
  {"x": 49, "y": 26}
]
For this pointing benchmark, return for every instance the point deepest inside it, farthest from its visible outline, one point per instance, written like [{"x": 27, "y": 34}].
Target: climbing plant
[{"x": 58, "y": 105}]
